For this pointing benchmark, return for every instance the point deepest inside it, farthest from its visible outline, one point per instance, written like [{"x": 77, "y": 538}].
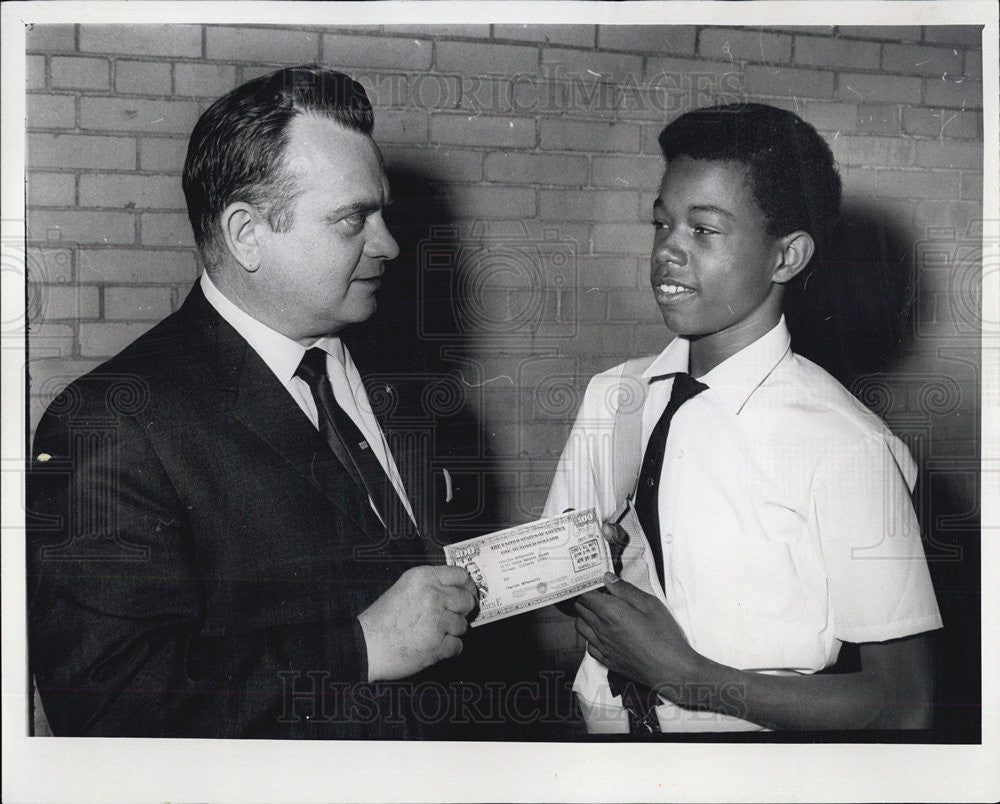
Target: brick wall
[{"x": 531, "y": 158}]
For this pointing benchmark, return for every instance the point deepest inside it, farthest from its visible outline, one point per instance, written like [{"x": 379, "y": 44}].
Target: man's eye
[
  {"x": 704, "y": 230},
  {"x": 355, "y": 222},
  {"x": 661, "y": 225}
]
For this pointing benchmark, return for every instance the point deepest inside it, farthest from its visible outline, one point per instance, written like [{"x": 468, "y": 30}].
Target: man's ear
[
  {"x": 240, "y": 225},
  {"x": 797, "y": 249}
]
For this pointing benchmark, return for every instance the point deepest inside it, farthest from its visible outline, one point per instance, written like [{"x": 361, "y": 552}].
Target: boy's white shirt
[{"x": 775, "y": 453}]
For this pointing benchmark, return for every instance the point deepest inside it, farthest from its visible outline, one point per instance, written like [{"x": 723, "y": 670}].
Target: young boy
[{"x": 776, "y": 507}]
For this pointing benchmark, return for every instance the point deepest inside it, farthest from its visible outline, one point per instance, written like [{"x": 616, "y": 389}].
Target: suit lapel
[{"x": 257, "y": 400}]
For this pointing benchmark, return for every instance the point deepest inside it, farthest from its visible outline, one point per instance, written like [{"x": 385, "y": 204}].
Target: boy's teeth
[{"x": 672, "y": 289}]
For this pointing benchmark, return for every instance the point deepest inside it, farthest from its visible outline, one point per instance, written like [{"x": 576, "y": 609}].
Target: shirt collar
[
  {"x": 736, "y": 378},
  {"x": 281, "y": 354}
]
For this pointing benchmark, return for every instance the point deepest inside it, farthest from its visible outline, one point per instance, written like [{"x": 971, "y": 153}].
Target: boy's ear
[
  {"x": 240, "y": 222},
  {"x": 797, "y": 249}
]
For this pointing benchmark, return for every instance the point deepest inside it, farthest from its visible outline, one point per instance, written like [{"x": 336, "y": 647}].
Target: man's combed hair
[
  {"x": 790, "y": 168},
  {"x": 237, "y": 147}
]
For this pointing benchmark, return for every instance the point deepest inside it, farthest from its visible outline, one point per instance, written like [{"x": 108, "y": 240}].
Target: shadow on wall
[
  {"x": 854, "y": 314},
  {"x": 412, "y": 345}
]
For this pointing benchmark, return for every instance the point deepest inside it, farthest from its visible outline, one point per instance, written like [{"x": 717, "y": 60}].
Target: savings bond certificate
[{"x": 533, "y": 565}]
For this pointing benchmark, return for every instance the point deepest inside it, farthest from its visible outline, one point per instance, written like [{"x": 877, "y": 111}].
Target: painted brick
[
  {"x": 75, "y": 301},
  {"x": 632, "y": 305},
  {"x": 873, "y": 151},
  {"x": 34, "y": 72},
  {"x": 507, "y": 166},
  {"x": 972, "y": 186},
  {"x": 374, "y": 53},
  {"x": 49, "y": 377},
  {"x": 862, "y": 88},
  {"x": 837, "y": 53},
  {"x": 71, "y": 72},
  {"x": 688, "y": 73},
  {"x": 436, "y": 31},
  {"x": 894, "y": 33},
  {"x": 609, "y": 272},
  {"x": 940, "y": 123},
  {"x": 974, "y": 64},
  {"x": 77, "y": 226},
  {"x": 917, "y": 184},
  {"x": 921, "y": 60},
  {"x": 498, "y": 132},
  {"x": 959, "y": 94},
  {"x": 858, "y": 181},
  {"x": 876, "y": 118},
  {"x": 50, "y": 38},
  {"x": 204, "y": 80},
  {"x": 623, "y": 171},
  {"x": 142, "y": 77},
  {"x": 934, "y": 153},
  {"x": 51, "y": 265},
  {"x": 162, "y": 154},
  {"x": 582, "y": 35},
  {"x": 733, "y": 43},
  {"x": 789, "y": 81},
  {"x": 251, "y": 43},
  {"x": 149, "y": 40},
  {"x": 401, "y": 126},
  {"x": 834, "y": 116},
  {"x": 51, "y": 189},
  {"x": 50, "y": 111},
  {"x": 166, "y": 229},
  {"x": 136, "y": 266},
  {"x": 473, "y": 59},
  {"x": 591, "y": 339},
  {"x": 137, "y": 303},
  {"x": 437, "y": 164},
  {"x": 137, "y": 114},
  {"x": 52, "y": 340},
  {"x": 967, "y": 35},
  {"x": 655, "y": 39},
  {"x": 566, "y": 62},
  {"x": 129, "y": 192},
  {"x": 491, "y": 202},
  {"x": 958, "y": 215},
  {"x": 622, "y": 238},
  {"x": 103, "y": 339},
  {"x": 578, "y": 135},
  {"x": 587, "y": 205}
]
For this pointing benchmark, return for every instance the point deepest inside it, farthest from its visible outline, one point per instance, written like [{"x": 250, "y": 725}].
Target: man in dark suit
[{"x": 220, "y": 540}]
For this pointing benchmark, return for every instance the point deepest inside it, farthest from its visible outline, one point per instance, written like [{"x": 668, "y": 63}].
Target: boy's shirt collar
[{"x": 736, "y": 378}]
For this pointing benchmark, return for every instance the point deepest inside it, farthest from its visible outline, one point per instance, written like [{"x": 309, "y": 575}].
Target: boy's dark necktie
[
  {"x": 638, "y": 699},
  {"x": 342, "y": 434}
]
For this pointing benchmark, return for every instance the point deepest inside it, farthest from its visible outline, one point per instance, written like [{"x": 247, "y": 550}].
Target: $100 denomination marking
[{"x": 534, "y": 565}]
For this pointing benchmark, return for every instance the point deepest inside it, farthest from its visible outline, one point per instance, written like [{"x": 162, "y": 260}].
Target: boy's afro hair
[{"x": 790, "y": 168}]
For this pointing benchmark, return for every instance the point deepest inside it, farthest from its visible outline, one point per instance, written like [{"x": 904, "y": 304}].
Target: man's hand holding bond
[{"x": 417, "y": 622}]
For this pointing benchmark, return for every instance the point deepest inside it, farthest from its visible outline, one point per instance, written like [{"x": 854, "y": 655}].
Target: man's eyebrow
[{"x": 367, "y": 205}]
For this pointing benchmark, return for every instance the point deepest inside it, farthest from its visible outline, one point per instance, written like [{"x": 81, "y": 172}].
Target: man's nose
[{"x": 381, "y": 244}]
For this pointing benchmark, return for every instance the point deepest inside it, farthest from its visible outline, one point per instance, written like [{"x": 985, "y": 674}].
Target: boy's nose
[{"x": 666, "y": 249}]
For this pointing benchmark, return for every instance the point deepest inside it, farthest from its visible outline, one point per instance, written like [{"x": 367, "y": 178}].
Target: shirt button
[
  {"x": 650, "y": 482},
  {"x": 668, "y": 538},
  {"x": 680, "y": 453}
]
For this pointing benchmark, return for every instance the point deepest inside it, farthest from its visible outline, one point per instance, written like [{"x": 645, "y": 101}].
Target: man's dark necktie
[
  {"x": 638, "y": 699},
  {"x": 343, "y": 435}
]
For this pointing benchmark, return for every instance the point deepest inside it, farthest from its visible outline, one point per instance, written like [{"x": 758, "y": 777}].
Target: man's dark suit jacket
[{"x": 196, "y": 553}]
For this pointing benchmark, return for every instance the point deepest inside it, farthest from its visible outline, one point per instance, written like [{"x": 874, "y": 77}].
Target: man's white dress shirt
[
  {"x": 786, "y": 521},
  {"x": 283, "y": 355}
]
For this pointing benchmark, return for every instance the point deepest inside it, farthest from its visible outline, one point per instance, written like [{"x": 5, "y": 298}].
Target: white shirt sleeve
[{"x": 879, "y": 587}]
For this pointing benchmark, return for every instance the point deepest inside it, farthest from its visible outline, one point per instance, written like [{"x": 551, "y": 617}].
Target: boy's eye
[
  {"x": 663, "y": 225},
  {"x": 704, "y": 230}
]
